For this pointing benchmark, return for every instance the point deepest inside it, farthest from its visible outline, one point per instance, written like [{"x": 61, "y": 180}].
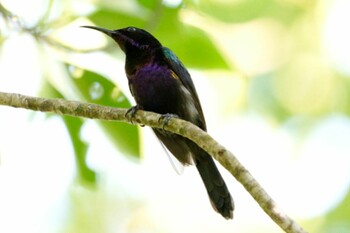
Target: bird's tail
[{"x": 219, "y": 195}]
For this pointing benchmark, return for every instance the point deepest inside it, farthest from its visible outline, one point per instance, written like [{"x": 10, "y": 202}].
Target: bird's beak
[
  {"x": 105, "y": 31},
  {"x": 114, "y": 34}
]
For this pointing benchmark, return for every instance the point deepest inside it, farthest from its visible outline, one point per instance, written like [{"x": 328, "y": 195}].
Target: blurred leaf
[
  {"x": 342, "y": 92},
  {"x": 2, "y": 39},
  {"x": 338, "y": 219},
  {"x": 49, "y": 91},
  {"x": 284, "y": 12},
  {"x": 241, "y": 11},
  {"x": 99, "y": 90},
  {"x": 151, "y": 4},
  {"x": 299, "y": 82},
  {"x": 191, "y": 44},
  {"x": 74, "y": 126},
  {"x": 262, "y": 98},
  {"x": 113, "y": 19},
  {"x": 234, "y": 11}
]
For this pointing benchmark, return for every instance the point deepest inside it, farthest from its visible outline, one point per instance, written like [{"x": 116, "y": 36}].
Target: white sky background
[{"x": 37, "y": 162}]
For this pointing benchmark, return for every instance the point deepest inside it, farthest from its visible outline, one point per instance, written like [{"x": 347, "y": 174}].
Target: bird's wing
[{"x": 179, "y": 69}]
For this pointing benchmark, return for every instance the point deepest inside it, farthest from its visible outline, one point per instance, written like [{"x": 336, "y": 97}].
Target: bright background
[{"x": 273, "y": 79}]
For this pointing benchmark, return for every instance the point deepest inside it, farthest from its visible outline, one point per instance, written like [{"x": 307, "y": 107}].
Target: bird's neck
[{"x": 135, "y": 61}]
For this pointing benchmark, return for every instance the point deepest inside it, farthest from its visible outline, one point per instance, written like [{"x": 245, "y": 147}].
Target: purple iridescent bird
[{"x": 160, "y": 83}]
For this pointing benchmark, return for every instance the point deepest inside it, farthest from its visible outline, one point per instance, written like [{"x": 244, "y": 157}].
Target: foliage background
[{"x": 273, "y": 78}]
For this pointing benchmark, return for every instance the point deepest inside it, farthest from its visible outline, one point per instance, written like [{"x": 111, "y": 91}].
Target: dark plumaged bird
[{"x": 160, "y": 83}]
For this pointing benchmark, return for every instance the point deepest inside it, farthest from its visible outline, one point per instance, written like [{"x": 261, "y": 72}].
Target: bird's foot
[
  {"x": 166, "y": 118},
  {"x": 130, "y": 114}
]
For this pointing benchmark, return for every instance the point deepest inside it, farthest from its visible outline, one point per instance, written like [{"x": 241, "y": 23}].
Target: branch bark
[{"x": 178, "y": 126}]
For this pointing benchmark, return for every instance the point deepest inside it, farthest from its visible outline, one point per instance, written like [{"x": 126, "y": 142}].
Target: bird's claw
[
  {"x": 130, "y": 114},
  {"x": 166, "y": 118}
]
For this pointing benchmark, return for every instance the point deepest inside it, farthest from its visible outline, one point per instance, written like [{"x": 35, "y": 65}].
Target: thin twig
[{"x": 178, "y": 126}]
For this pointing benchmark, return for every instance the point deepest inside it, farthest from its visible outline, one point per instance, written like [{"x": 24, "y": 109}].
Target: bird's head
[{"x": 131, "y": 39}]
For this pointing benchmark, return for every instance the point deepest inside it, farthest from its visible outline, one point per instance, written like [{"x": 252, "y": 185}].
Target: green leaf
[
  {"x": 73, "y": 125},
  {"x": 192, "y": 45},
  {"x": 96, "y": 89},
  {"x": 113, "y": 19},
  {"x": 151, "y": 4},
  {"x": 241, "y": 11},
  {"x": 234, "y": 11}
]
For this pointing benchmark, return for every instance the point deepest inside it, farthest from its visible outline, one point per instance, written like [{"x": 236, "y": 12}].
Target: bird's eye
[
  {"x": 131, "y": 29},
  {"x": 144, "y": 47}
]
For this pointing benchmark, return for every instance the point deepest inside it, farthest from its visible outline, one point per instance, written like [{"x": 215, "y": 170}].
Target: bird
[{"x": 160, "y": 83}]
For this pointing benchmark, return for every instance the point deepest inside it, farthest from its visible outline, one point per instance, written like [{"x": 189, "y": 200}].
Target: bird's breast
[{"x": 158, "y": 89}]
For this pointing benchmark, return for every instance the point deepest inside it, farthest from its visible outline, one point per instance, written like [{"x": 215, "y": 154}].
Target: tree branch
[{"x": 178, "y": 126}]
